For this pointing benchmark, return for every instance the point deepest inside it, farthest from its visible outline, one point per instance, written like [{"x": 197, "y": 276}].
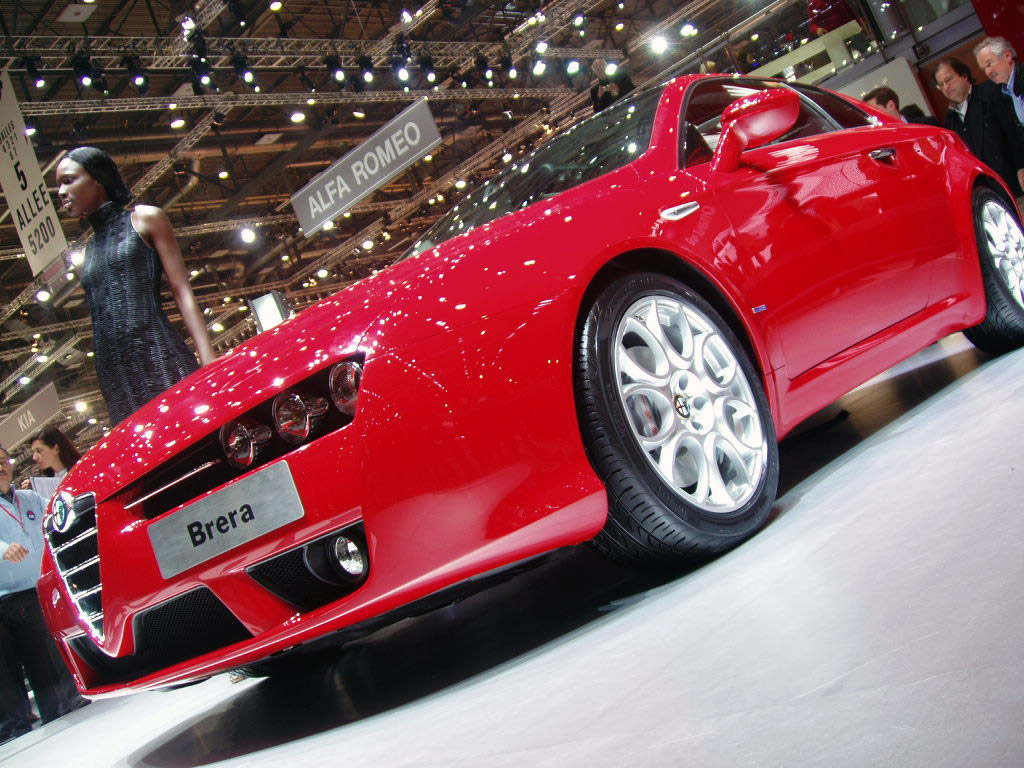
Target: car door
[{"x": 824, "y": 220}]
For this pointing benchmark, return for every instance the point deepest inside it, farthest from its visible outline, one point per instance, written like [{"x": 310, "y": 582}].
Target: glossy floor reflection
[{"x": 876, "y": 621}]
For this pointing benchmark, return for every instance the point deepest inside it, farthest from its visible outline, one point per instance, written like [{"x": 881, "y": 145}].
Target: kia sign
[
  {"x": 25, "y": 421},
  {"x": 366, "y": 168},
  {"x": 27, "y": 197}
]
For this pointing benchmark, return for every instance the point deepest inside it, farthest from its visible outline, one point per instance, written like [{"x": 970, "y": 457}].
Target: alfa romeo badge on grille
[{"x": 63, "y": 513}]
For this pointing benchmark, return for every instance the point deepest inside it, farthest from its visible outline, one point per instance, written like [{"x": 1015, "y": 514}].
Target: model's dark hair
[
  {"x": 957, "y": 66},
  {"x": 102, "y": 167},
  {"x": 54, "y": 438},
  {"x": 882, "y": 95}
]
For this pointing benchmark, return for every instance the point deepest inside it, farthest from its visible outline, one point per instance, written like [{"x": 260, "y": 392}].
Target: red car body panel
[{"x": 465, "y": 453}]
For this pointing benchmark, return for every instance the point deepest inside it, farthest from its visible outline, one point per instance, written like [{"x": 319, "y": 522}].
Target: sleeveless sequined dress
[{"x": 139, "y": 354}]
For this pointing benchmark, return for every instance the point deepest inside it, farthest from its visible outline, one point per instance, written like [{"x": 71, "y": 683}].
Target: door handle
[
  {"x": 885, "y": 155},
  {"x": 680, "y": 211}
]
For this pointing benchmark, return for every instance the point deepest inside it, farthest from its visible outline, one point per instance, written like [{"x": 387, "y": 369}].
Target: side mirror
[{"x": 753, "y": 121}]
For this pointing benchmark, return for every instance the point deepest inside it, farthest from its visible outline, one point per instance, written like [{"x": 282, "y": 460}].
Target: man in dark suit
[{"x": 984, "y": 119}]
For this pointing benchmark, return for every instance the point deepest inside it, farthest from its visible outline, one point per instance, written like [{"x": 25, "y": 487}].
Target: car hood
[{"x": 252, "y": 372}]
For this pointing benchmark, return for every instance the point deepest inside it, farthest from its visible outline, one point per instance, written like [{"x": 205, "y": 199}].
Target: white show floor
[{"x": 877, "y": 621}]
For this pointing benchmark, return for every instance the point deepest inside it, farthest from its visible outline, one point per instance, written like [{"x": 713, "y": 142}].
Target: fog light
[
  {"x": 242, "y": 443},
  {"x": 347, "y": 557},
  {"x": 344, "y": 384},
  {"x": 296, "y": 417}
]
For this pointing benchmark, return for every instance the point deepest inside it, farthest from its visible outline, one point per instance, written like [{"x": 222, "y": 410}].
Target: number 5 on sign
[{"x": 24, "y": 187}]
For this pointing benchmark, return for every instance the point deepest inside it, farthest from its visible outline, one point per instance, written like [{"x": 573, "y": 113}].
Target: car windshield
[{"x": 607, "y": 141}]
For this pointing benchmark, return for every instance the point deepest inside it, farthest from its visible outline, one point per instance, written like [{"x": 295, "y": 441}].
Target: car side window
[
  {"x": 838, "y": 108},
  {"x": 706, "y": 102}
]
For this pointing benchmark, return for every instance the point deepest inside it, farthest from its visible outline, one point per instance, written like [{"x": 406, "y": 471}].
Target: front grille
[
  {"x": 182, "y": 628},
  {"x": 77, "y": 556}
]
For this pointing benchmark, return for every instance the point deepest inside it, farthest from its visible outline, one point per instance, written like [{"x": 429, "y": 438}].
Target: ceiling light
[
  {"x": 42, "y": 295},
  {"x": 460, "y": 184},
  {"x": 334, "y": 68},
  {"x": 30, "y": 126},
  {"x": 367, "y": 244},
  {"x": 247, "y": 235},
  {"x": 81, "y": 406},
  {"x": 322, "y": 273},
  {"x": 328, "y": 225},
  {"x": 33, "y": 72},
  {"x": 573, "y": 67},
  {"x": 542, "y": 47},
  {"x": 136, "y": 73},
  {"x": 579, "y": 20},
  {"x": 538, "y": 67},
  {"x": 426, "y": 65},
  {"x": 81, "y": 65},
  {"x": 358, "y": 112},
  {"x": 365, "y": 65},
  {"x": 275, "y": 5},
  {"x": 223, "y": 175},
  {"x": 298, "y": 116},
  {"x": 217, "y": 327},
  {"x": 178, "y": 123},
  {"x": 659, "y": 45},
  {"x": 611, "y": 68},
  {"x": 24, "y": 380}
]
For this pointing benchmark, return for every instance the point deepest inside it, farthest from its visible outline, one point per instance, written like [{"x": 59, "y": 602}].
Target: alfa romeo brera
[{"x": 603, "y": 343}]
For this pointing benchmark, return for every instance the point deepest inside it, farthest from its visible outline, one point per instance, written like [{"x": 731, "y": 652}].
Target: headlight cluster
[{"x": 294, "y": 416}]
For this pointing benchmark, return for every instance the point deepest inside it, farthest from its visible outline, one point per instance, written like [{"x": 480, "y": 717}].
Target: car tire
[
  {"x": 1001, "y": 248},
  {"x": 661, "y": 382}
]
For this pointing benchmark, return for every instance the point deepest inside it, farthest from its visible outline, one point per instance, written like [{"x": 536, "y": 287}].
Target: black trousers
[{"x": 29, "y": 651}]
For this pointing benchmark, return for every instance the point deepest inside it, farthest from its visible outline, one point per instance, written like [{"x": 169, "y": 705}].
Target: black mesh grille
[
  {"x": 291, "y": 578},
  {"x": 187, "y": 626}
]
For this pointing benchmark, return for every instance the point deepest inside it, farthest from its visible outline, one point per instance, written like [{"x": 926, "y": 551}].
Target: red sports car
[{"x": 604, "y": 343}]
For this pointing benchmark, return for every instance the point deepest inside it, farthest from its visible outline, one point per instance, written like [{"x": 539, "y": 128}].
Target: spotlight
[
  {"x": 218, "y": 119},
  {"x": 236, "y": 7},
  {"x": 307, "y": 83},
  {"x": 579, "y": 20},
  {"x": 510, "y": 68},
  {"x": 333, "y": 66},
  {"x": 611, "y": 68},
  {"x": 398, "y": 66},
  {"x": 426, "y": 65},
  {"x": 30, "y": 126},
  {"x": 542, "y": 47},
  {"x": 81, "y": 65},
  {"x": 136, "y": 73},
  {"x": 276, "y": 5},
  {"x": 33, "y": 72},
  {"x": 201, "y": 74},
  {"x": 572, "y": 68},
  {"x": 482, "y": 67},
  {"x": 659, "y": 45},
  {"x": 538, "y": 67},
  {"x": 358, "y": 113},
  {"x": 241, "y": 66},
  {"x": 247, "y": 235},
  {"x": 688, "y": 30},
  {"x": 366, "y": 68}
]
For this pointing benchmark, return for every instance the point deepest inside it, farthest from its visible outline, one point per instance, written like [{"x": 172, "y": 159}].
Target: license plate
[{"x": 229, "y": 518}]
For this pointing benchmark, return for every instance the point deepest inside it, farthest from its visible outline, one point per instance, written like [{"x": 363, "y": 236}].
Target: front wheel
[
  {"x": 1001, "y": 247},
  {"x": 675, "y": 422}
]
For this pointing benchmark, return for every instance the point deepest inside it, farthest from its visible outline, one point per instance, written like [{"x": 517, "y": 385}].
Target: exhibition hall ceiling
[{"x": 231, "y": 153}]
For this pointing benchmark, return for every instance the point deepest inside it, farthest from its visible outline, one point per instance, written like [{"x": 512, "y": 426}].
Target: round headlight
[
  {"x": 295, "y": 417},
  {"x": 344, "y": 384},
  {"x": 242, "y": 442}
]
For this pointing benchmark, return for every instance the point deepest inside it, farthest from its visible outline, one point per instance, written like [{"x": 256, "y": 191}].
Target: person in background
[
  {"x": 914, "y": 114},
  {"x": 982, "y": 117},
  {"x": 54, "y": 453},
  {"x": 998, "y": 59},
  {"x": 139, "y": 354},
  {"x": 612, "y": 84},
  {"x": 826, "y": 15},
  {"x": 885, "y": 99},
  {"x": 27, "y": 648}
]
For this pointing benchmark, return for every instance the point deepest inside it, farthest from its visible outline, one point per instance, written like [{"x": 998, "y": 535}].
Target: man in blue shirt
[{"x": 25, "y": 644}]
